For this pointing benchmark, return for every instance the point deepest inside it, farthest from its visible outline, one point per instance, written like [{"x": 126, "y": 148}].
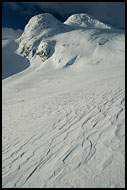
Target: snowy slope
[{"x": 64, "y": 116}]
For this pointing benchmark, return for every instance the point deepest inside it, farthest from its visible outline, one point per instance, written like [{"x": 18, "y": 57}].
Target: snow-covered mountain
[
  {"x": 38, "y": 29},
  {"x": 40, "y": 39},
  {"x": 64, "y": 116},
  {"x": 85, "y": 20}
]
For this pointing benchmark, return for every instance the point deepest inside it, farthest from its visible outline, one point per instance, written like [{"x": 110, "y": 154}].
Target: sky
[{"x": 17, "y": 14}]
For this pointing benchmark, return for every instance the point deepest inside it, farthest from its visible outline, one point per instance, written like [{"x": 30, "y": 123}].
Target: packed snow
[{"x": 63, "y": 115}]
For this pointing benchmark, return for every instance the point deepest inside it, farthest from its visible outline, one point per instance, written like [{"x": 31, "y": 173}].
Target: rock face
[
  {"x": 45, "y": 49},
  {"x": 36, "y": 31}
]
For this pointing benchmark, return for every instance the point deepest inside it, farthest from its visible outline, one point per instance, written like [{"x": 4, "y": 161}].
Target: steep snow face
[
  {"x": 39, "y": 28},
  {"x": 85, "y": 20}
]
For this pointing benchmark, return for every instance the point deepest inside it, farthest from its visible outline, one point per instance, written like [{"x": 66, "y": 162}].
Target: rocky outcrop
[{"x": 43, "y": 55}]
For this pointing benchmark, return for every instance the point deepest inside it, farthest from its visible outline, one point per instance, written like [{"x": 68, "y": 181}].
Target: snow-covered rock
[
  {"x": 85, "y": 20},
  {"x": 39, "y": 28}
]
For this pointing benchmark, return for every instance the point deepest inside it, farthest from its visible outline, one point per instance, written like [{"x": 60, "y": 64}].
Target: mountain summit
[
  {"x": 39, "y": 28},
  {"x": 85, "y": 20},
  {"x": 45, "y": 24}
]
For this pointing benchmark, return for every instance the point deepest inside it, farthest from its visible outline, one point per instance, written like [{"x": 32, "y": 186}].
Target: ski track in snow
[{"x": 68, "y": 138}]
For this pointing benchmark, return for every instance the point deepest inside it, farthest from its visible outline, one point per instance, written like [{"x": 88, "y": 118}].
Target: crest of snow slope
[
  {"x": 39, "y": 28},
  {"x": 63, "y": 121},
  {"x": 85, "y": 20}
]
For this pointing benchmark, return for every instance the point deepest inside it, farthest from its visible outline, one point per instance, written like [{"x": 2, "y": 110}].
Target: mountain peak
[
  {"x": 44, "y": 21},
  {"x": 85, "y": 20},
  {"x": 43, "y": 25},
  {"x": 39, "y": 28}
]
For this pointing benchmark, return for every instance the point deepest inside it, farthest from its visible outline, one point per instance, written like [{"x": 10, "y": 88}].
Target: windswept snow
[{"x": 64, "y": 116}]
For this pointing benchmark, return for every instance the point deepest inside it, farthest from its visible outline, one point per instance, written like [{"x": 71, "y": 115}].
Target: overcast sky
[{"x": 17, "y": 14}]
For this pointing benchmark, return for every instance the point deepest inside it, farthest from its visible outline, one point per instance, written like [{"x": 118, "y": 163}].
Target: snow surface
[{"x": 64, "y": 117}]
